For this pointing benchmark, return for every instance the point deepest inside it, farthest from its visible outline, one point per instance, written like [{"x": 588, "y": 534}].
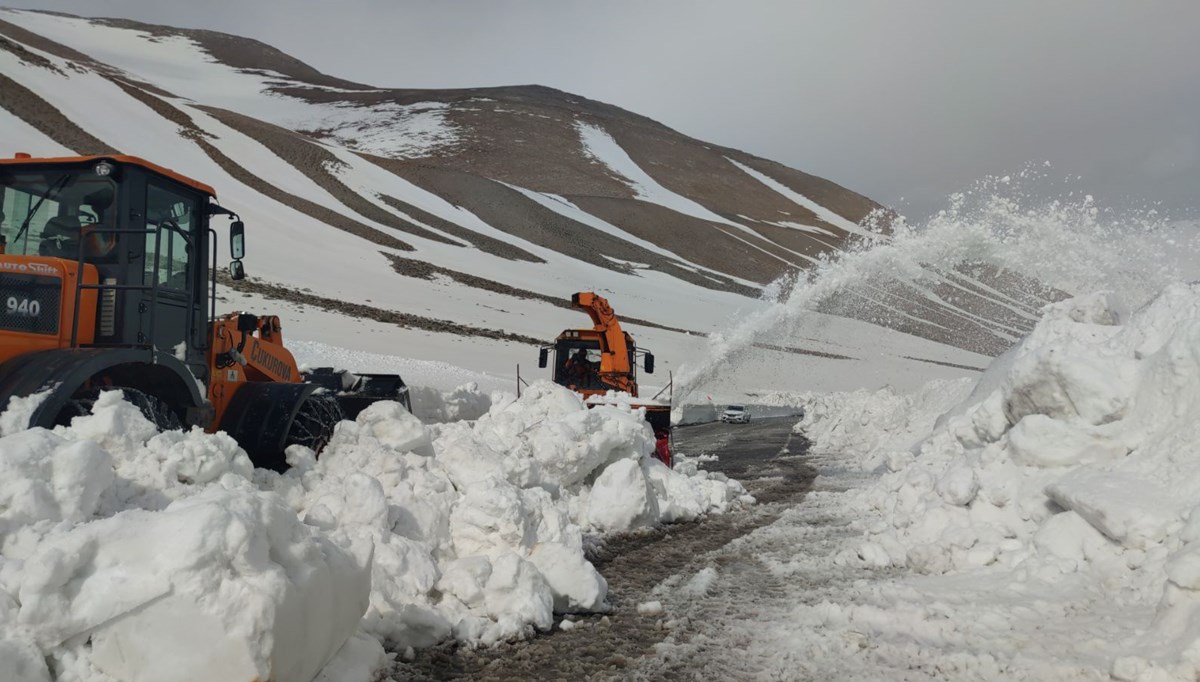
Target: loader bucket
[{"x": 356, "y": 392}]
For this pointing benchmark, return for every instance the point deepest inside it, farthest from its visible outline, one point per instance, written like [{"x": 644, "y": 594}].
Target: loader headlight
[{"x": 104, "y": 169}]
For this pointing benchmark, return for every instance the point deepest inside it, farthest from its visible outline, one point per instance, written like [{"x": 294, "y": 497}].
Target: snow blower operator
[{"x": 581, "y": 372}]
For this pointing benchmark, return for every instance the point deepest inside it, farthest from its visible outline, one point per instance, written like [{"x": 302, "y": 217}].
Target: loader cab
[
  {"x": 577, "y": 364},
  {"x": 138, "y": 235},
  {"x": 580, "y": 363}
]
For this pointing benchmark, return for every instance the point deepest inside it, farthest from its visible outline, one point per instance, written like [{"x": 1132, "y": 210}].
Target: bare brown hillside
[{"x": 513, "y": 159}]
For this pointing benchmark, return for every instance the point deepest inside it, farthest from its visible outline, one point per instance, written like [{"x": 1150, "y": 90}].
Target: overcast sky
[{"x": 895, "y": 99}]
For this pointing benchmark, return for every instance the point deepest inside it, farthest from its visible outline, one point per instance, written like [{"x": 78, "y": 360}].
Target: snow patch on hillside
[
  {"x": 569, "y": 210},
  {"x": 820, "y": 211},
  {"x": 31, "y": 139},
  {"x": 181, "y": 66},
  {"x": 600, "y": 146},
  {"x": 393, "y": 130}
]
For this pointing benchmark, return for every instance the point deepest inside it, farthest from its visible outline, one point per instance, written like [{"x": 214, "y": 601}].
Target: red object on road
[{"x": 662, "y": 448}]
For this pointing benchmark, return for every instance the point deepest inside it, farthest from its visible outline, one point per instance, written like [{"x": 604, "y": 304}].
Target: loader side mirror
[
  {"x": 543, "y": 357},
  {"x": 237, "y": 240},
  {"x": 237, "y": 271},
  {"x": 649, "y": 363}
]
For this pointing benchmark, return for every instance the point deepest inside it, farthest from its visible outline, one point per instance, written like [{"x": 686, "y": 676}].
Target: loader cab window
[
  {"x": 577, "y": 364},
  {"x": 170, "y": 219},
  {"x": 58, "y": 213}
]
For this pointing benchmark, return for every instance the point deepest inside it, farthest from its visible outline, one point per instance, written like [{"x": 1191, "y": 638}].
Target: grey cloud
[{"x": 893, "y": 99}]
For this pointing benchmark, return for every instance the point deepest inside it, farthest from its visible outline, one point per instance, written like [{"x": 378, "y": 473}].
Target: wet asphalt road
[
  {"x": 743, "y": 450},
  {"x": 764, "y": 455}
]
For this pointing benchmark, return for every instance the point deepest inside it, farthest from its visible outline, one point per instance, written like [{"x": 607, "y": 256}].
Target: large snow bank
[
  {"x": 1069, "y": 474},
  {"x": 145, "y": 556},
  {"x": 154, "y": 557},
  {"x": 873, "y": 425}
]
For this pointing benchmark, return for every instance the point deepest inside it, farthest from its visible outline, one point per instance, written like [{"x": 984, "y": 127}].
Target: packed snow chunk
[
  {"x": 224, "y": 585},
  {"x": 171, "y": 465},
  {"x": 19, "y": 411},
  {"x": 1038, "y": 440},
  {"x": 596, "y": 437},
  {"x": 622, "y": 498},
  {"x": 874, "y": 554},
  {"x": 650, "y": 608},
  {"x": 1069, "y": 536},
  {"x": 566, "y": 442},
  {"x": 1064, "y": 369},
  {"x": 1136, "y": 513},
  {"x": 686, "y": 497},
  {"x": 465, "y": 579},
  {"x": 469, "y": 458},
  {"x": 515, "y": 595},
  {"x": 192, "y": 458},
  {"x": 21, "y": 661},
  {"x": 1184, "y": 568},
  {"x": 389, "y": 504},
  {"x": 1130, "y": 669},
  {"x": 490, "y": 519},
  {"x": 701, "y": 583},
  {"x": 118, "y": 426},
  {"x": 958, "y": 486},
  {"x": 465, "y": 403},
  {"x": 403, "y": 574},
  {"x": 359, "y": 660},
  {"x": 574, "y": 582},
  {"x": 414, "y": 496},
  {"x": 362, "y": 503},
  {"x": 394, "y": 427},
  {"x": 153, "y": 468},
  {"x": 540, "y": 401},
  {"x": 44, "y": 480},
  {"x": 1101, "y": 308}
]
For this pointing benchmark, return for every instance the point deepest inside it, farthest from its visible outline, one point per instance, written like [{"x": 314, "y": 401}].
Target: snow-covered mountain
[{"x": 453, "y": 225}]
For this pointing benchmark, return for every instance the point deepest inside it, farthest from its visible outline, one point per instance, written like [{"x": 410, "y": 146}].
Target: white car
[{"x": 736, "y": 414}]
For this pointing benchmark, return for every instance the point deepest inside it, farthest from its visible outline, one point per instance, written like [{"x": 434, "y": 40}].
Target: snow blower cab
[
  {"x": 108, "y": 281},
  {"x": 594, "y": 361}
]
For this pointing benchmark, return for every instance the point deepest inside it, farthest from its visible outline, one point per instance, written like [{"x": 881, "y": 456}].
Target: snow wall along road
[
  {"x": 1040, "y": 520},
  {"x": 130, "y": 555}
]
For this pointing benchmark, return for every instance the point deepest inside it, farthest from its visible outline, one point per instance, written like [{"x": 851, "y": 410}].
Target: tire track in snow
[{"x": 729, "y": 629}]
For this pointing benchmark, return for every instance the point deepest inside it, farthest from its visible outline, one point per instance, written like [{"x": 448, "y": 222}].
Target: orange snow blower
[{"x": 594, "y": 361}]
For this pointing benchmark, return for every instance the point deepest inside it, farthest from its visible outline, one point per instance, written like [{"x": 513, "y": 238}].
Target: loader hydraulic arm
[
  {"x": 259, "y": 349},
  {"x": 614, "y": 356}
]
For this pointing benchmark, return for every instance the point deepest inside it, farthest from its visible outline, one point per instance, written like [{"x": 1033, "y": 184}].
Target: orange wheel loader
[{"x": 108, "y": 281}]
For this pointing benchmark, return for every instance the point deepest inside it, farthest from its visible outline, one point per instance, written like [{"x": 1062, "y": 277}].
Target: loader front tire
[
  {"x": 315, "y": 421},
  {"x": 153, "y": 408}
]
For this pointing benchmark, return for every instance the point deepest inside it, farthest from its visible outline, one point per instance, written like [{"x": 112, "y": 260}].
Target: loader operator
[
  {"x": 579, "y": 371},
  {"x": 64, "y": 235}
]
